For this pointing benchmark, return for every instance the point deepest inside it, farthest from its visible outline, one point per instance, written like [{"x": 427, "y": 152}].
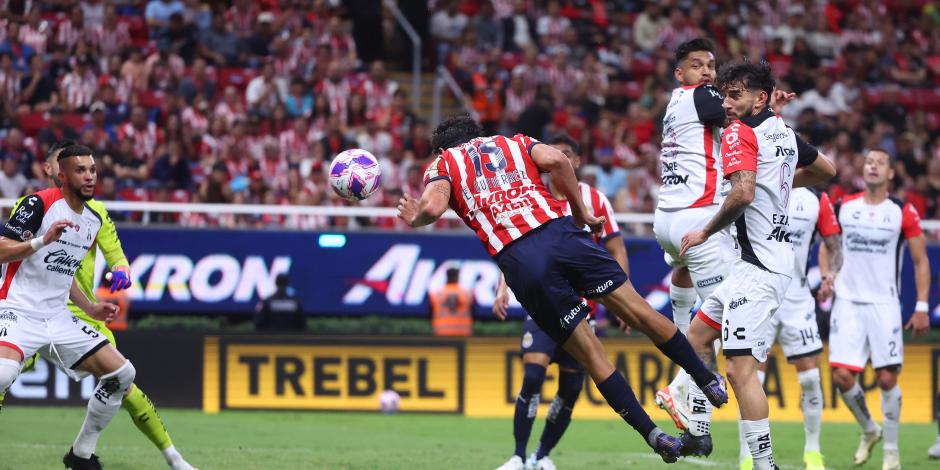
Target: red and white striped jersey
[
  {"x": 691, "y": 165},
  {"x": 145, "y": 140},
  {"x": 873, "y": 240},
  {"x": 496, "y": 188},
  {"x": 10, "y": 86},
  {"x": 378, "y": 95},
  {"x": 597, "y": 205},
  {"x": 79, "y": 90},
  {"x": 111, "y": 40},
  {"x": 37, "y": 38}
]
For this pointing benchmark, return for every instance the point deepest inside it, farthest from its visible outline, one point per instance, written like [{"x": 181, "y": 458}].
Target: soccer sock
[
  {"x": 811, "y": 402},
  {"x": 683, "y": 299},
  {"x": 559, "y": 413},
  {"x": 700, "y": 411},
  {"x": 527, "y": 404},
  {"x": 757, "y": 435},
  {"x": 102, "y": 406},
  {"x": 743, "y": 450},
  {"x": 145, "y": 417},
  {"x": 891, "y": 408},
  {"x": 620, "y": 397},
  {"x": 680, "y": 351},
  {"x": 855, "y": 400}
]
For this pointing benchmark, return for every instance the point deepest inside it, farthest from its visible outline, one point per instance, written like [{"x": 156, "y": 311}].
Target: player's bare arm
[
  {"x": 501, "y": 303},
  {"x": 830, "y": 262},
  {"x": 743, "y": 186},
  {"x": 13, "y": 250},
  {"x": 618, "y": 250},
  {"x": 425, "y": 211},
  {"x": 103, "y": 311},
  {"x": 552, "y": 161},
  {"x": 920, "y": 321},
  {"x": 818, "y": 172}
]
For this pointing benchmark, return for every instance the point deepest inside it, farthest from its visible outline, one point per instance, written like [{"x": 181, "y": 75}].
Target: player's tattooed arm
[
  {"x": 431, "y": 206},
  {"x": 743, "y": 186},
  {"x": 834, "y": 251}
]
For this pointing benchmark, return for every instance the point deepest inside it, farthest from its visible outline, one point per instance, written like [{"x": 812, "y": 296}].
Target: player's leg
[
  {"x": 570, "y": 383},
  {"x": 773, "y": 333},
  {"x": 849, "y": 350},
  {"x": 141, "y": 409},
  {"x": 588, "y": 350},
  {"x": 703, "y": 332},
  {"x": 527, "y": 404},
  {"x": 115, "y": 377},
  {"x": 672, "y": 398},
  {"x": 10, "y": 362},
  {"x": 934, "y": 451},
  {"x": 887, "y": 354},
  {"x": 21, "y": 338}
]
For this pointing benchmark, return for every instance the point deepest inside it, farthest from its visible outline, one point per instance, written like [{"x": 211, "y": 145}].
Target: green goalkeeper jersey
[{"x": 110, "y": 248}]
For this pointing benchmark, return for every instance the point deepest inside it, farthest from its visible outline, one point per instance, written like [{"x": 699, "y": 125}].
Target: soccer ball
[
  {"x": 389, "y": 401},
  {"x": 355, "y": 174}
]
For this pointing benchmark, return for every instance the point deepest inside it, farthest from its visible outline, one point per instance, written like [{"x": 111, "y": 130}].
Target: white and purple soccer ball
[
  {"x": 355, "y": 174},
  {"x": 389, "y": 401}
]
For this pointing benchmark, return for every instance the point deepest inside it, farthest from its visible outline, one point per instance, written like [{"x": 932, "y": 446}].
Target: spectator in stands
[
  {"x": 72, "y": 32},
  {"x": 282, "y": 310},
  {"x": 179, "y": 38},
  {"x": 648, "y": 25},
  {"x": 215, "y": 188},
  {"x": 56, "y": 130},
  {"x": 219, "y": 44},
  {"x": 12, "y": 181},
  {"x": 9, "y": 84},
  {"x": 488, "y": 28},
  {"x": 257, "y": 46},
  {"x": 38, "y": 91},
  {"x": 130, "y": 169},
  {"x": 36, "y": 32},
  {"x": 551, "y": 27},
  {"x": 143, "y": 134},
  {"x": 159, "y": 12},
  {"x": 15, "y": 149},
  {"x": 80, "y": 86},
  {"x": 447, "y": 26},
  {"x": 102, "y": 135},
  {"x": 610, "y": 179},
  {"x": 299, "y": 101},
  {"x": 518, "y": 30},
  {"x": 265, "y": 91},
  {"x": 20, "y": 53}
]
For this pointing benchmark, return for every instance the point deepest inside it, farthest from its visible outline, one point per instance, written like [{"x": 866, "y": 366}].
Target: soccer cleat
[
  {"x": 673, "y": 406},
  {"x": 77, "y": 463},
  {"x": 514, "y": 463},
  {"x": 892, "y": 460},
  {"x": 865, "y": 445},
  {"x": 934, "y": 451},
  {"x": 180, "y": 465},
  {"x": 543, "y": 463},
  {"x": 696, "y": 446},
  {"x": 813, "y": 460},
  {"x": 746, "y": 463},
  {"x": 716, "y": 392},
  {"x": 668, "y": 447}
]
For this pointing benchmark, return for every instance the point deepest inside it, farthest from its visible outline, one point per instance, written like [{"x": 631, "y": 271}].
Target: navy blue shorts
[
  {"x": 552, "y": 268},
  {"x": 534, "y": 340}
]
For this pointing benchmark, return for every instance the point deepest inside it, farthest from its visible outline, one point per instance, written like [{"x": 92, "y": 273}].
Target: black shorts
[
  {"x": 552, "y": 269},
  {"x": 534, "y": 340}
]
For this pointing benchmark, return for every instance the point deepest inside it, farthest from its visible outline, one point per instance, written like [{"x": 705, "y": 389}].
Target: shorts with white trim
[
  {"x": 794, "y": 325},
  {"x": 741, "y": 309},
  {"x": 862, "y": 331},
  {"x": 63, "y": 339},
  {"x": 708, "y": 263}
]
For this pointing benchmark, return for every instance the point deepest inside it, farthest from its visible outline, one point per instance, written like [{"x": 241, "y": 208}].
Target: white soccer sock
[
  {"x": 811, "y": 402},
  {"x": 855, "y": 400},
  {"x": 700, "y": 411},
  {"x": 743, "y": 450},
  {"x": 682, "y": 299},
  {"x": 757, "y": 435},
  {"x": 102, "y": 406},
  {"x": 891, "y": 407}
]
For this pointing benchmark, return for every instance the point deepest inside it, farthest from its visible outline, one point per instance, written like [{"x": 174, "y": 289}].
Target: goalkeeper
[{"x": 137, "y": 404}]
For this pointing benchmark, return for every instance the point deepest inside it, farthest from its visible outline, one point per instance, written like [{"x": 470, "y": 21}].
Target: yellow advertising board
[{"x": 481, "y": 377}]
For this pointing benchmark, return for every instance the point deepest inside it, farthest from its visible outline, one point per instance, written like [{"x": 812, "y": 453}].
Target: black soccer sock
[
  {"x": 559, "y": 413},
  {"x": 620, "y": 397},
  {"x": 680, "y": 351},
  {"x": 527, "y": 404}
]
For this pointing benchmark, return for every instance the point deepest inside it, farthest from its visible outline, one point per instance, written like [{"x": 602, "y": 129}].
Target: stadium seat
[{"x": 32, "y": 123}]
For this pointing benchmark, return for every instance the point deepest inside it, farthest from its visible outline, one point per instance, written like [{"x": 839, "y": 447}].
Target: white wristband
[
  {"x": 37, "y": 243},
  {"x": 921, "y": 306}
]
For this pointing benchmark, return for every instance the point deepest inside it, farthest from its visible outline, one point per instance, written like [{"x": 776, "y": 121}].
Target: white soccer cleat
[
  {"x": 514, "y": 463},
  {"x": 543, "y": 463},
  {"x": 892, "y": 460},
  {"x": 865, "y": 445},
  {"x": 674, "y": 404},
  {"x": 180, "y": 464},
  {"x": 934, "y": 451}
]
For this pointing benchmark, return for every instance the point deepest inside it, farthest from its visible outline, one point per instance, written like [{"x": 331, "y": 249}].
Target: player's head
[
  {"x": 879, "y": 168},
  {"x": 747, "y": 87},
  {"x": 695, "y": 62},
  {"x": 567, "y": 146},
  {"x": 455, "y": 131},
  {"x": 77, "y": 171},
  {"x": 51, "y": 165},
  {"x": 453, "y": 275}
]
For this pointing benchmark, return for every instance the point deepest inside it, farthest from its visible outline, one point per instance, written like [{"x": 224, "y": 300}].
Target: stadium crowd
[{"x": 245, "y": 102}]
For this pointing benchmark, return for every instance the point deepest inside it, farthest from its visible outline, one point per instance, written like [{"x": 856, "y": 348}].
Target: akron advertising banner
[{"x": 228, "y": 271}]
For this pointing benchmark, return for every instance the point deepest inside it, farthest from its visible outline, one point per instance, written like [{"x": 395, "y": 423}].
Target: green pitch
[{"x": 36, "y": 438}]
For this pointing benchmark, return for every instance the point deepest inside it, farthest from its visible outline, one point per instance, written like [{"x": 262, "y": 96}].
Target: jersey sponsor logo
[
  {"x": 672, "y": 178},
  {"x": 780, "y": 235},
  {"x": 601, "y": 288},
  {"x": 572, "y": 314},
  {"x": 785, "y": 152},
  {"x": 60, "y": 261},
  {"x": 858, "y": 242},
  {"x": 735, "y": 303},
  {"x": 775, "y": 136},
  {"x": 500, "y": 196},
  {"x": 710, "y": 281},
  {"x": 23, "y": 214},
  {"x": 507, "y": 209},
  {"x": 8, "y": 317},
  {"x": 502, "y": 179}
]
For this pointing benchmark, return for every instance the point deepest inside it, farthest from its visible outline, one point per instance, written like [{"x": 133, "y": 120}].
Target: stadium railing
[
  {"x": 415, "y": 39},
  {"x": 148, "y": 208}
]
